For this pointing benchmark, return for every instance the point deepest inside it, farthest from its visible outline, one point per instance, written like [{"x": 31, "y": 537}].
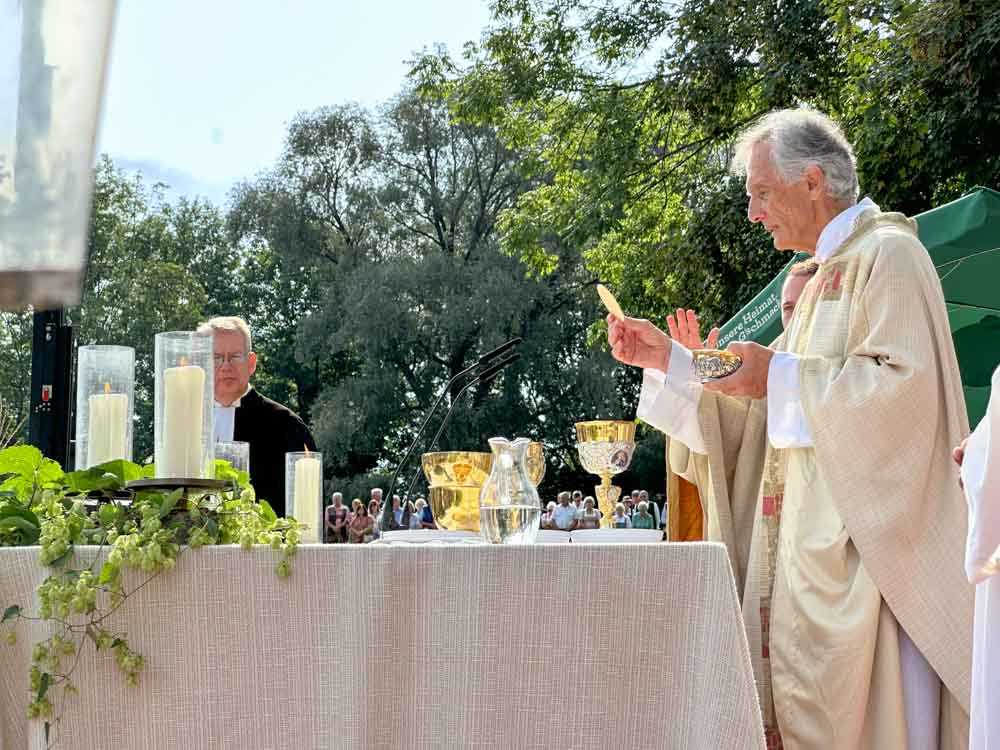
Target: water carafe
[{"x": 509, "y": 507}]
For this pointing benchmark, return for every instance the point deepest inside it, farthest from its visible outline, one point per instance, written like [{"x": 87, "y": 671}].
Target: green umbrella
[{"x": 963, "y": 239}]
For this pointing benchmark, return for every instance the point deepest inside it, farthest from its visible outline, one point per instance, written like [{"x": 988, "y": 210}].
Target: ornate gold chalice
[
  {"x": 456, "y": 478},
  {"x": 605, "y": 448}
]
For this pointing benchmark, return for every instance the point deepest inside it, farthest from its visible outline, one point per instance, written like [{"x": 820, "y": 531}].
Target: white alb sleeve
[
  {"x": 786, "y": 421},
  {"x": 669, "y": 401}
]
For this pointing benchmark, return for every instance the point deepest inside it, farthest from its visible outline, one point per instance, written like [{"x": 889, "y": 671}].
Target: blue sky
[{"x": 199, "y": 94}]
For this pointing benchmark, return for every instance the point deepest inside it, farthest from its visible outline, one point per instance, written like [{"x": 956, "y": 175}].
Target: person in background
[
  {"x": 564, "y": 515},
  {"x": 588, "y": 517},
  {"x": 620, "y": 519},
  {"x": 577, "y": 501},
  {"x": 654, "y": 509},
  {"x": 373, "y": 511},
  {"x": 629, "y": 504},
  {"x": 336, "y": 519},
  {"x": 243, "y": 414},
  {"x": 415, "y": 511},
  {"x": 642, "y": 518},
  {"x": 426, "y": 515},
  {"x": 361, "y": 528},
  {"x": 397, "y": 513},
  {"x": 546, "y": 522},
  {"x": 664, "y": 510},
  {"x": 376, "y": 497}
]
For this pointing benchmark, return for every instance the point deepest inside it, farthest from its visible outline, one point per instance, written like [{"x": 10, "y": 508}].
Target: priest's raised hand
[
  {"x": 685, "y": 329},
  {"x": 638, "y": 342}
]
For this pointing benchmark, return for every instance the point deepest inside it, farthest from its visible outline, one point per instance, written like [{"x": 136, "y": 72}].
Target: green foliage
[
  {"x": 623, "y": 116},
  {"x": 29, "y": 471}
]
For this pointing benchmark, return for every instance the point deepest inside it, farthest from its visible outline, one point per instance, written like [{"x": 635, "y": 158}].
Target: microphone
[
  {"x": 483, "y": 361},
  {"x": 482, "y": 379}
]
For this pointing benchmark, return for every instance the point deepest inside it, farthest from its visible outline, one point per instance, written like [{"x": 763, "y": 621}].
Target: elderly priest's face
[
  {"x": 793, "y": 211},
  {"x": 233, "y": 366}
]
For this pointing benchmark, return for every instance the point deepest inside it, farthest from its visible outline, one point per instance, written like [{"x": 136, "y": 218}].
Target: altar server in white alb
[
  {"x": 979, "y": 456},
  {"x": 824, "y": 463}
]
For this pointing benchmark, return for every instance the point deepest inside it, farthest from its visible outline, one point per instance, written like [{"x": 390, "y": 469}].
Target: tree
[{"x": 393, "y": 220}]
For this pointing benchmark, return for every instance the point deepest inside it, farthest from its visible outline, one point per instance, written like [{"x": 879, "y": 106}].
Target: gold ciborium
[
  {"x": 605, "y": 448},
  {"x": 456, "y": 478}
]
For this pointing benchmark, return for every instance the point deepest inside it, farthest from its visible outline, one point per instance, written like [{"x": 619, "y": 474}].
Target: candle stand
[
  {"x": 183, "y": 415},
  {"x": 105, "y": 393}
]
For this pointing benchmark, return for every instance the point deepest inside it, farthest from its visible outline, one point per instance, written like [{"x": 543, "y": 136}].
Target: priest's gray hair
[
  {"x": 800, "y": 138},
  {"x": 228, "y": 323}
]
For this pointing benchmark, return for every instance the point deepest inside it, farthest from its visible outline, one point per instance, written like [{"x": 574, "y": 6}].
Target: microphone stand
[
  {"x": 482, "y": 379},
  {"x": 483, "y": 361}
]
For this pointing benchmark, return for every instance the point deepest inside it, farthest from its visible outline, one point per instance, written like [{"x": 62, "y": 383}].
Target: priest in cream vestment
[{"x": 824, "y": 463}]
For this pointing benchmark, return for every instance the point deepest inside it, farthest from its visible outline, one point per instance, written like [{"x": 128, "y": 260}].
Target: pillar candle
[
  {"x": 107, "y": 427},
  {"x": 308, "y": 497},
  {"x": 183, "y": 403}
]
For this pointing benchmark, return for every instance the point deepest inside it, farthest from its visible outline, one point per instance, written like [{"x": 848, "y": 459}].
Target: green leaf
[
  {"x": 23, "y": 520},
  {"x": 109, "y": 513},
  {"x": 113, "y": 475},
  {"x": 16, "y": 522},
  {"x": 29, "y": 468},
  {"x": 108, "y": 574},
  {"x": 43, "y": 686},
  {"x": 267, "y": 511},
  {"x": 10, "y": 613},
  {"x": 170, "y": 501}
]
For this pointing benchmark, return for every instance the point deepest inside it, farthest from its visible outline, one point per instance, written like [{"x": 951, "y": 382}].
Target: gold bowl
[
  {"x": 712, "y": 364},
  {"x": 456, "y": 478}
]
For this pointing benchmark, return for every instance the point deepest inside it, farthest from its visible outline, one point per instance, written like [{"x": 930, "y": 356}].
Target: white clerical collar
[
  {"x": 236, "y": 402},
  {"x": 839, "y": 228}
]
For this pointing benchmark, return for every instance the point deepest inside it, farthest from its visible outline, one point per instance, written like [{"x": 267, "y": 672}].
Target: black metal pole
[{"x": 49, "y": 421}]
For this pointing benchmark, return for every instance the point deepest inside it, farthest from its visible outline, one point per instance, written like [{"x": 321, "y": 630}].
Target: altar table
[{"x": 410, "y": 646}]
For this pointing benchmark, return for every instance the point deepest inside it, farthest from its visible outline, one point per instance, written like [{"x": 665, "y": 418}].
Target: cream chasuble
[{"x": 836, "y": 546}]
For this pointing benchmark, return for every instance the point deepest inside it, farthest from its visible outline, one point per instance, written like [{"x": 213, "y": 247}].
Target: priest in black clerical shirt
[{"x": 242, "y": 414}]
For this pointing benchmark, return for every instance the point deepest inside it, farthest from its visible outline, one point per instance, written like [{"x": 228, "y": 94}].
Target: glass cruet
[{"x": 509, "y": 507}]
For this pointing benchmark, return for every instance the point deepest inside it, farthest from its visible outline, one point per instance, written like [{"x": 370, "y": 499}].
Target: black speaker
[{"x": 49, "y": 420}]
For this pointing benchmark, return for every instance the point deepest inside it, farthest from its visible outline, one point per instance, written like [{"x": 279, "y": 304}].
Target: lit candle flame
[
  {"x": 107, "y": 388},
  {"x": 184, "y": 361},
  {"x": 306, "y": 449}
]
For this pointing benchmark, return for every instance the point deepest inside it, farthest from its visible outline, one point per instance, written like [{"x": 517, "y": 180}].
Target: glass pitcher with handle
[{"x": 509, "y": 507}]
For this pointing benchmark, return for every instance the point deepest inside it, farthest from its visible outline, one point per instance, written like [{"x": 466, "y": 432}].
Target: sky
[{"x": 200, "y": 93}]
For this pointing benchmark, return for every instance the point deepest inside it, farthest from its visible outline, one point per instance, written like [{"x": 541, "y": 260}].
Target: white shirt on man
[
  {"x": 225, "y": 419},
  {"x": 564, "y": 516}
]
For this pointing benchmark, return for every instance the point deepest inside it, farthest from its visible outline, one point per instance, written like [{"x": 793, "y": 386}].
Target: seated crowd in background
[{"x": 361, "y": 523}]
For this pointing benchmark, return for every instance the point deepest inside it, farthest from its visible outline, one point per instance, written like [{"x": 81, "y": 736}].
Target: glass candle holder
[
  {"x": 236, "y": 453},
  {"x": 183, "y": 414},
  {"x": 304, "y": 493},
  {"x": 53, "y": 56},
  {"x": 105, "y": 399}
]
